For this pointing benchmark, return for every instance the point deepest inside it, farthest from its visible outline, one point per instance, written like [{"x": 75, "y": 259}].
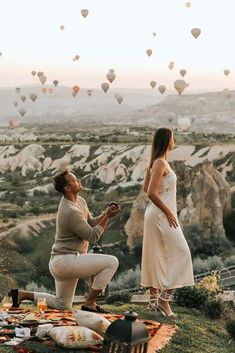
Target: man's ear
[{"x": 67, "y": 188}]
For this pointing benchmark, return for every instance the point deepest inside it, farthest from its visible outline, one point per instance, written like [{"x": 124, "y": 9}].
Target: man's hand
[{"x": 113, "y": 210}]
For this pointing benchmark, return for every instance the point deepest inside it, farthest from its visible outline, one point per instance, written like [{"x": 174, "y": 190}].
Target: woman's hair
[
  {"x": 160, "y": 143},
  {"x": 60, "y": 181}
]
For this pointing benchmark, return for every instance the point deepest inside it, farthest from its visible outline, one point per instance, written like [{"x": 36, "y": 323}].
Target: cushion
[
  {"x": 91, "y": 320},
  {"x": 75, "y": 336}
]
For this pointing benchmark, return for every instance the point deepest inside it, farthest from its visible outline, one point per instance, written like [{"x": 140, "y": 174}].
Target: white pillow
[
  {"x": 75, "y": 336},
  {"x": 94, "y": 321}
]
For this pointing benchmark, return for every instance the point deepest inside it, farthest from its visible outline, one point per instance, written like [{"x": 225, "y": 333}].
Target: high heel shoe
[
  {"x": 154, "y": 304},
  {"x": 13, "y": 293}
]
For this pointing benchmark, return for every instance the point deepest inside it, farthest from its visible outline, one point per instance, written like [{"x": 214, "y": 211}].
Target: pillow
[
  {"x": 91, "y": 320},
  {"x": 75, "y": 336}
]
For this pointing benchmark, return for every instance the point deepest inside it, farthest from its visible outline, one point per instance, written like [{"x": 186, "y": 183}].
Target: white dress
[{"x": 166, "y": 258}]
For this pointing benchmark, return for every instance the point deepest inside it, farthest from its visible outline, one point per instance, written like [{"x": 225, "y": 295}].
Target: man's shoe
[
  {"x": 98, "y": 309},
  {"x": 13, "y": 293}
]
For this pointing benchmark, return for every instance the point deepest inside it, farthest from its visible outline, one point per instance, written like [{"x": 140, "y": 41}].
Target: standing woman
[{"x": 166, "y": 258}]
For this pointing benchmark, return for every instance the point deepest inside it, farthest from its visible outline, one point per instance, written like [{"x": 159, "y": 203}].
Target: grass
[{"x": 197, "y": 334}]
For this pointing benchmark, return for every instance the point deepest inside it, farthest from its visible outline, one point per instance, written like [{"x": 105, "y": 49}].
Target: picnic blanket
[{"x": 160, "y": 334}]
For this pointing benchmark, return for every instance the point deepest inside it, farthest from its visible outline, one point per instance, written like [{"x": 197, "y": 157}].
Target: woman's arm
[
  {"x": 146, "y": 179},
  {"x": 158, "y": 171}
]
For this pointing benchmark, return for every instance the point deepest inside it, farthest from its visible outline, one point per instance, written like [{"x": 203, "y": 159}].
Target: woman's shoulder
[{"x": 160, "y": 162}]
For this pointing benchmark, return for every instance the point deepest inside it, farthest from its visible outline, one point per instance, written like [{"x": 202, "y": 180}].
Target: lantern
[{"x": 126, "y": 335}]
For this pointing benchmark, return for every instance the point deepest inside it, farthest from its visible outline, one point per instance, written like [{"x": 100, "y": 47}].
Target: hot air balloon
[
  {"x": 18, "y": 89},
  {"x": 89, "y": 92},
  {"x": 0, "y": 54},
  {"x": 111, "y": 76},
  {"x": 40, "y": 73},
  {"x": 55, "y": 83},
  {"x": 33, "y": 97},
  {"x": 153, "y": 84},
  {"x": 171, "y": 65},
  {"x": 196, "y": 32},
  {"x": 179, "y": 86},
  {"x": 22, "y": 111},
  {"x": 183, "y": 72},
  {"x": 62, "y": 27},
  {"x": 75, "y": 90},
  {"x": 33, "y": 73},
  {"x": 23, "y": 98},
  {"x": 42, "y": 79},
  {"x": 118, "y": 98},
  {"x": 105, "y": 86},
  {"x": 149, "y": 52},
  {"x": 13, "y": 123},
  {"x": 43, "y": 89},
  {"x": 162, "y": 89},
  {"x": 77, "y": 57},
  {"x": 184, "y": 123},
  {"x": 50, "y": 90},
  {"x": 15, "y": 104},
  {"x": 154, "y": 34},
  {"x": 226, "y": 72},
  {"x": 188, "y": 4},
  {"x": 84, "y": 13}
]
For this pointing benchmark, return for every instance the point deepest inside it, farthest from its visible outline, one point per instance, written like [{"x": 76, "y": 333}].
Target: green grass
[{"x": 197, "y": 334}]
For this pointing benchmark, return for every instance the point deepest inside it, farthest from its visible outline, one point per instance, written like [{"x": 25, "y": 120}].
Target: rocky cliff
[{"x": 203, "y": 199}]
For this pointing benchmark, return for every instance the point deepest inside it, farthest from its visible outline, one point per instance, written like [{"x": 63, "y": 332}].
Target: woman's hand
[{"x": 171, "y": 219}]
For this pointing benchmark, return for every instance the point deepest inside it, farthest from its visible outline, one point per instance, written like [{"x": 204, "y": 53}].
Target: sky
[{"x": 115, "y": 35}]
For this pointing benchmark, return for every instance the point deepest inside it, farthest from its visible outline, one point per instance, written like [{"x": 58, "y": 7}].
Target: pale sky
[{"x": 116, "y": 35}]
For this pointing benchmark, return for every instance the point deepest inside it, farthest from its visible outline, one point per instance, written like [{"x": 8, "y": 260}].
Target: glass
[{"x": 42, "y": 305}]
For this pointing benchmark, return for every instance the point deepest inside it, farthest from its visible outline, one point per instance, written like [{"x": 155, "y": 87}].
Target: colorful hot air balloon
[
  {"x": 149, "y": 52},
  {"x": 33, "y": 97},
  {"x": 105, "y": 86},
  {"x": 33, "y": 73},
  {"x": 162, "y": 89},
  {"x": 77, "y": 57},
  {"x": 84, "y": 13},
  {"x": 89, "y": 92},
  {"x": 22, "y": 111},
  {"x": 55, "y": 83},
  {"x": 188, "y": 4},
  {"x": 111, "y": 76},
  {"x": 153, "y": 84},
  {"x": 62, "y": 27},
  {"x": 171, "y": 65},
  {"x": 42, "y": 79},
  {"x": 15, "y": 103},
  {"x": 118, "y": 98},
  {"x": 50, "y": 90},
  {"x": 226, "y": 72},
  {"x": 183, "y": 72},
  {"x": 40, "y": 73},
  {"x": 179, "y": 86},
  {"x": 154, "y": 34},
  {"x": 184, "y": 123},
  {"x": 196, "y": 32},
  {"x": 18, "y": 89},
  {"x": 75, "y": 90},
  {"x": 23, "y": 98},
  {"x": 44, "y": 89}
]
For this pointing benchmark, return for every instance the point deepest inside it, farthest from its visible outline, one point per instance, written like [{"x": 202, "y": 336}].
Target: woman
[
  {"x": 75, "y": 229},
  {"x": 166, "y": 258}
]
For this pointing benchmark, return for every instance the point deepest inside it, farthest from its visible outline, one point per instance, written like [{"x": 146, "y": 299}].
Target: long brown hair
[{"x": 160, "y": 143}]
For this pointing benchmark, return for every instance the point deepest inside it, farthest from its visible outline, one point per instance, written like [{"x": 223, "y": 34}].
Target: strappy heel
[{"x": 154, "y": 303}]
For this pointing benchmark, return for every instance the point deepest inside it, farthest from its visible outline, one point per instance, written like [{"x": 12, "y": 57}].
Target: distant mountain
[{"x": 61, "y": 105}]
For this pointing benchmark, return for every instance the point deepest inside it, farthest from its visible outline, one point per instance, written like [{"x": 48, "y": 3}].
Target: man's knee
[{"x": 114, "y": 262}]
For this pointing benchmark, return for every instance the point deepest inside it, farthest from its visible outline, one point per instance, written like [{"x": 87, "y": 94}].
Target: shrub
[
  {"x": 126, "y": 280},
  {"x": 123, "y": 297},
  {"x": 191, "y": 297},
  {"x": 209, "y": 264},
  {"x": 210, "y": 283},
  {"x": 213, "y": 308},
  {"x": 229, "y": 226},
  {"x": 230, "y": 327},
  {"x": 230, "y": 261}
]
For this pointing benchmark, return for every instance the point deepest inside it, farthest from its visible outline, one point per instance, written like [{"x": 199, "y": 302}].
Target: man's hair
[{"x": 60, "y": 181}]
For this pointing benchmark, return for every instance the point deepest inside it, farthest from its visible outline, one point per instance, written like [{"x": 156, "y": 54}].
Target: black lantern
[
  {"x": 126, "y": 335},
  {"x": 97, "y": 249}
]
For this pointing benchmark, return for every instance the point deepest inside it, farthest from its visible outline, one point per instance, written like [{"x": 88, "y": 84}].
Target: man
[{"x": 75, "y": 229}]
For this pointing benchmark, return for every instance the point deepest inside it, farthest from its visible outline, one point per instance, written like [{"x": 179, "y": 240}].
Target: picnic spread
[{"x": 70, "y": 328}]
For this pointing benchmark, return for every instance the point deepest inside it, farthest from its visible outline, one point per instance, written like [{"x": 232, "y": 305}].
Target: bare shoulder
[{"x": 160, "y": 163}]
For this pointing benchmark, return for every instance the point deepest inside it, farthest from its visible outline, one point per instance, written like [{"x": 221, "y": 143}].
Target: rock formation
[{"x": 203, "y": 198}]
